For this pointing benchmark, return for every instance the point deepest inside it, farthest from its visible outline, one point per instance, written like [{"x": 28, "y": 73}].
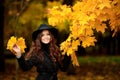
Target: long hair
[{"x": 36, "y": 48}]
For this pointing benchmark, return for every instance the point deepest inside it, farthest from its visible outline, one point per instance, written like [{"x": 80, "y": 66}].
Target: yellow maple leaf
[
  {"x": 104, "y": 3},
  {"x": 75, "y": 44},
  {"x": 21, "y": 43},
  {"x": 11, "y": 42},
  {"x": 14, "y": 41},
  {"x": 88, "y": 41},
  {"x": 69, "y": 51},
  {"x": 74, "y": 60},
  {"x": 101, "y": 28},
  {"x": 88, "y": 31},
  {"x": 64, "y": 46}
]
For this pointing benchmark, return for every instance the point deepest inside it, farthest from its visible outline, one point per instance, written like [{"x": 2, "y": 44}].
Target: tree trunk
[{"x": 2, "y": 60}]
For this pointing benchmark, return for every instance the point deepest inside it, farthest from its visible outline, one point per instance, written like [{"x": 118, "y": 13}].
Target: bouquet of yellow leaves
[{"x": 14, "y": 41}]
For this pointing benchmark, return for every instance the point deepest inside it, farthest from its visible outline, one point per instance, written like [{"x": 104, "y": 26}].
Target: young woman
[{"x": 44, "y": 54}]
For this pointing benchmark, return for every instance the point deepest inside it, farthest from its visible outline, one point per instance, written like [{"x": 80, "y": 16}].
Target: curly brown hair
[{"x": 36, "y": 48}]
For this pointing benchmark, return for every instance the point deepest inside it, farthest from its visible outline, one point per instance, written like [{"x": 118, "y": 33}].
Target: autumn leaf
[
  {"x": 21, "y": 43},
  {"x": 88, "y": 41},
  {"x": 101, "y": 28},
  {"x": 14, "y": 41},
  {"x": 74, "y": 60},
  {"x": 11, "y": 42},
  {"x": 104, "y": 3},
  {"x": 75, "y": 44}
]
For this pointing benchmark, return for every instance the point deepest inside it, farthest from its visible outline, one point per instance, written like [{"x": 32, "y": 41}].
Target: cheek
[
  {"x": 49, "y": 37},
  {"x": 42, "y": 39}
]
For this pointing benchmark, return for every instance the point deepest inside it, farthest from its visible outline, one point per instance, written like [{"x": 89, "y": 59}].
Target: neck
[{"x": 45, "y": 46}]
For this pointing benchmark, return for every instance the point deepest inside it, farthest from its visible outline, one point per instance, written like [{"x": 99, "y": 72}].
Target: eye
[
  {"x": 42, "y": 35},
  {"x": 48, "y": 34}
]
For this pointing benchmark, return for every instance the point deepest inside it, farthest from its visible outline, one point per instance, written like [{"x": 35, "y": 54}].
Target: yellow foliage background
[{"x": 83, "y": 17}]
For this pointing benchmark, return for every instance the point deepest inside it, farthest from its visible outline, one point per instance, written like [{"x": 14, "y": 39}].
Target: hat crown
[{"x": 44, "y": 26}]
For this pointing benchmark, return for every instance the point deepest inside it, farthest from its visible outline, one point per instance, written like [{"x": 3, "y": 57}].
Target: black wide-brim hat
[{"x": 42, "y": 27}]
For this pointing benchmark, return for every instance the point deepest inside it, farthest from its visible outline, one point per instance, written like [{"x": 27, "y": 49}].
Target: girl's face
[{"x": 46, "y": 38}]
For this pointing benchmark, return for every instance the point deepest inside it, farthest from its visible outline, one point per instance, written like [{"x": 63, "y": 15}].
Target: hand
[{"x": 17, "y": 50}]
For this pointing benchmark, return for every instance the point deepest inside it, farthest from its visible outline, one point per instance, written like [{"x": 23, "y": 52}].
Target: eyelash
[{"x": 46, "y": 34}]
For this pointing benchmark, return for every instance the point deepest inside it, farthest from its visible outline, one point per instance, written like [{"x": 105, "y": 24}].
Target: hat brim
[{"x": 54, "y": 31}]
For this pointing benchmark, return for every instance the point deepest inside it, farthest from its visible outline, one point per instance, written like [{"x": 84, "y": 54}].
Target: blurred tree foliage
[
  {"x": 83, "y": 18},
  {"x": 22, "y": 17}
]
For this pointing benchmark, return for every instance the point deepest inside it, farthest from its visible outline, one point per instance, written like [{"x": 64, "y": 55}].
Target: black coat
[{"x": 47, "y": 69}]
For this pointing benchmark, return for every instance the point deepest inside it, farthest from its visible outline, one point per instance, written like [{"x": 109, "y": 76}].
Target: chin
[{"x": 46, "y": 42}]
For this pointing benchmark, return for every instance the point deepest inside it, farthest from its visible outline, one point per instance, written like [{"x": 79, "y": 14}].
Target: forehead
[{"x": 45, "y": 31}]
